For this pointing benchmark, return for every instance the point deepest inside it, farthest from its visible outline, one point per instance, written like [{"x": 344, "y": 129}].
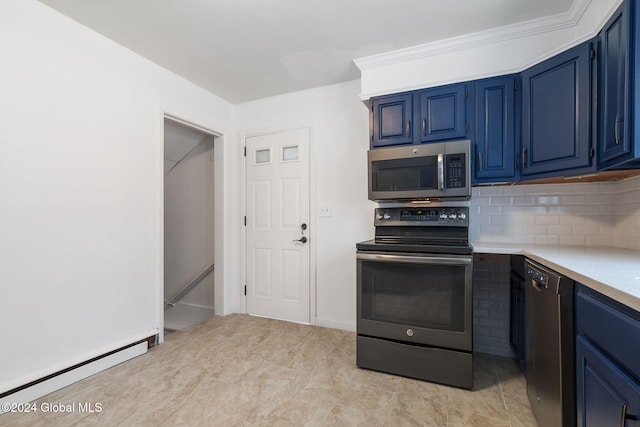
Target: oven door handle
[{"x": 416, "y": 259}]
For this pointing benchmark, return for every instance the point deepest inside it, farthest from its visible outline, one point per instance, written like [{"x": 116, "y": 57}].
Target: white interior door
[{"x": 277, "y": 168}]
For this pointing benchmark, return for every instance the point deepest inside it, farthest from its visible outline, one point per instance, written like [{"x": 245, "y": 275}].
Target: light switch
[{"x": 324, "y": 211}]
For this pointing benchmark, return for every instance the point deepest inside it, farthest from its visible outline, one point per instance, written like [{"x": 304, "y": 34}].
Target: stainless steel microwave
[{"x": 420, "y": 172}]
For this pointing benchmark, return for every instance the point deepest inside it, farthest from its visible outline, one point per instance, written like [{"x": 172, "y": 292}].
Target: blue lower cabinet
[
  {"x": 606, "y": 394},
  {"x": 517, "y": 327},
  {"x": 607, "y": 361}
]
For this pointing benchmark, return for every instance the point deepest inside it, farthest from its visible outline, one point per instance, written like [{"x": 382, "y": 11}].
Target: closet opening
[{"x": 188, "y": 225}]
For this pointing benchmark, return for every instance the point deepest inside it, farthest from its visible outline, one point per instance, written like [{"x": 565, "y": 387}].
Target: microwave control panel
[{"x": 455, "y": 166}]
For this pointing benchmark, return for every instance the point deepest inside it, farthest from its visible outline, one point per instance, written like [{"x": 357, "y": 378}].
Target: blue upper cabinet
[
  {"x": 556, "y": 113},
  {"x": 495, "y": 133},
  {"x": 417, "y": 117},
  {"x": 391, "y": 120},
  {"x": 442, "y": 113},
  {"x": 578, "y": 103},
  {"x": 614, "y": 110}
]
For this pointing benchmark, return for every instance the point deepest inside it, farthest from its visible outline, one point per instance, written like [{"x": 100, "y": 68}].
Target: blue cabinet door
[
  {"x": 442, "y": 113},
  {"x": 495, "y": 141},
  {"x": 614, "y": 88},
  {"x": 606, "y": 394},
  {"x": 556, "y": 111},
  {"x": 391, "y": 120}
]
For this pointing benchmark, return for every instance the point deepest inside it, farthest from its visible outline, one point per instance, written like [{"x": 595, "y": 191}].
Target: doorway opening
[{"x": 188, "y": 226}]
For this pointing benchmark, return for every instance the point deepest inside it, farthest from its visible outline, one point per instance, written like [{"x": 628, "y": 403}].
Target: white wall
[
  {"x": 339, "y": 142},
  {"x": 81, "y": 189}
]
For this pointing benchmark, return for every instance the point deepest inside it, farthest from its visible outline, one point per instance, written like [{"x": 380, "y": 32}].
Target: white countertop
[{"x": 611, "y": 271}]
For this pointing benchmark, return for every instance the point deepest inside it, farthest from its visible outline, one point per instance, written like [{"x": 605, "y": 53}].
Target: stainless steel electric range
[{"x": 414, "y": 295}]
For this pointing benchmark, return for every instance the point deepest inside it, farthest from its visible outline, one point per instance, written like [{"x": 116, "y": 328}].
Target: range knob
[
  {"x": 386, "y": 215},
  {"x": 453, "y": 216},
  {"x": 379, "y": 217},
  {"x": 462, "y": 215},
  {"x": 444, "y": 216}
]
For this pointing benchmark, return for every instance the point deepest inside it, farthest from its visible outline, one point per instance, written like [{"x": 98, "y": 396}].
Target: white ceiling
[{"x": 249, "y": 49}]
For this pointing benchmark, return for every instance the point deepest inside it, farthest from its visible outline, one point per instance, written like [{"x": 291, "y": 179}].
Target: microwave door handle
[{"x": 440, "y": 172}]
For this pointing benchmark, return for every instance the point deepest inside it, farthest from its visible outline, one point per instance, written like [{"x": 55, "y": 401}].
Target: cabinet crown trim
[
  {"x": 581, "y": 22},
  {"x": 546, "y": 24}
]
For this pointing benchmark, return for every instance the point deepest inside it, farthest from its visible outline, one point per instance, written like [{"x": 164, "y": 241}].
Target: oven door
[{"x": 417, "y": 298}]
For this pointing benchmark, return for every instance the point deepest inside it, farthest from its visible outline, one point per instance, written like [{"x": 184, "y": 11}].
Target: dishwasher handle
[
  {"x": 544, "y": 279},
  {"x": 538, "y": 286}
]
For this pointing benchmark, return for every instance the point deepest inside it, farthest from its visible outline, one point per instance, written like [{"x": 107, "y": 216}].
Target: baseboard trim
[
  {"x": 328, "y": 323},
  {"x": 38, "y": 388}
]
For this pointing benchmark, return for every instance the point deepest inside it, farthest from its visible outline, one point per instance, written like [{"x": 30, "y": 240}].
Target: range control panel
[{"x": 431, "y": 216}]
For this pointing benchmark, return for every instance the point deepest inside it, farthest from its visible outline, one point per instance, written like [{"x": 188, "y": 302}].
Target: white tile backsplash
[{"x": 580, "y": 214}]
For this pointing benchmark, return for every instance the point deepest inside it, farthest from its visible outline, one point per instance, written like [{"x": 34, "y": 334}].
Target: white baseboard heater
[{"x": 39, "y": 388}]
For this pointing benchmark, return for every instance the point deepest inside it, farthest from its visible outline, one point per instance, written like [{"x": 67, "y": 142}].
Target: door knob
[
  {"x": 303, "y": 226},
  {"x": 303, "y": 239}
]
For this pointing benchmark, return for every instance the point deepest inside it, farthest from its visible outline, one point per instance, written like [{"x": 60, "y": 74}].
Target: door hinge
[
  {"x": 245, "y": 290},
  {"x": 592, "y": 53},
  {"x": 466, "y": 127},
  {"x": 466, "y": 93},
  {"x": 245, "y": 151},
  {"x": 515, "y": 86},
  {"x": 245, "y": 220},
  {"x": 592, "y": 152}
]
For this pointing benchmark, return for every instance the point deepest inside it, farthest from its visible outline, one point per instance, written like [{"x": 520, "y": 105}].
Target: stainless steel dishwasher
[{"x": 550, "y": 347}]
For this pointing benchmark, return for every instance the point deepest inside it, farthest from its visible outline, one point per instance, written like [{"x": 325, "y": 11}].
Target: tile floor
[{"x": 247, "y": 371}]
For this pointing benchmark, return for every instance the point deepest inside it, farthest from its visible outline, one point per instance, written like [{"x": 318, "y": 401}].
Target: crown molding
[{"x": 519, "y": 30}]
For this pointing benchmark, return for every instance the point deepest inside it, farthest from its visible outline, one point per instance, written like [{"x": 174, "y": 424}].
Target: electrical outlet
[{"x": 324, "y": 211}]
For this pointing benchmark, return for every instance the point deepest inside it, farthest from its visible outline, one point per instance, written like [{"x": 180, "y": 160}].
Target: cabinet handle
[
  {"x": 424, "y": 127},
  {"x": 626, "y": 416},
  {"x": 524, "y": 157},
  {"x": 479, "y": 161},
  {"x": 615, "y": 130},
  {"x": 408, "y": 128}
]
